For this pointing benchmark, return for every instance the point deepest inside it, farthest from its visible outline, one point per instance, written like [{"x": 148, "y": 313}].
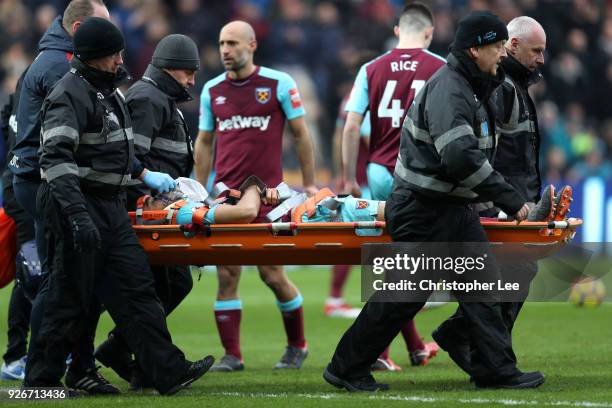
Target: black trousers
[
  {"x": 82, "y": 352},
  {"x": 18, "y": 322},
  {"x": 118, "y": 276},
  {"x": 172, "y": 285},
  {"x": 414, "y": 219},
  {"x": 456, "y": 325}
]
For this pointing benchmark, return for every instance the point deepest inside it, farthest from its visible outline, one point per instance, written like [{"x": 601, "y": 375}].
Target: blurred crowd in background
[{"x": 318, "y": 43}]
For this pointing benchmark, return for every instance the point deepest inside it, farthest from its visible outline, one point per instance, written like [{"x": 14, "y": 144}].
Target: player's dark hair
[
  {"x": 78, "y": 10},
  {"x": 415, "y": 17}
]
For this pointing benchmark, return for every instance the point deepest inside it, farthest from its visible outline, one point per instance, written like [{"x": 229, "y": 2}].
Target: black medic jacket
[
  {"x": 517, "y": 156},
  {"x": 448, "y": 139},
  {"x": 161, "y": 137},
  {"x": 86, "y": 138}
]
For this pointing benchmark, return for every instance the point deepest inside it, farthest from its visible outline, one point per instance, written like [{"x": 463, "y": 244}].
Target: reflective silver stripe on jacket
[
  {"x": 524, "y": 126},
  {"x": 478, "y": 176},
  {"x": 463, "y": 192},
  {"x": 142, "y": 141},
  {"x": 430, "y": 183},
  {"x": 449, "y": 136},
  {"x": 416, "y": 132},
  {"x": 170, "y": 145},
  {"x": 134, "y": 182},
  {"x": 114, "y": 136},
  {"x": 420, "y": 180},
  {"x": 514, "y": 116},
  {"x": 480, "y": 207},
  {"x": 103, "y": 177},
  {"x": 485, "y": 143},
  {"x": 65, "y": 131},
  {"x": 59, "y": 170}
]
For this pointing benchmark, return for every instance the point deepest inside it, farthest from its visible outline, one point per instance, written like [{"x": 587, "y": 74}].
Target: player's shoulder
[
  {"x": 380, "y": 59},
  {"x": 275, "y": 74},
  {"x": 434, "y": 57},
  {"x": 214, "y": 82}
]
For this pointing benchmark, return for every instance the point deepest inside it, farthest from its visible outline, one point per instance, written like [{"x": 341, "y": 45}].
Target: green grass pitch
[{"x": 572, "y": 346}]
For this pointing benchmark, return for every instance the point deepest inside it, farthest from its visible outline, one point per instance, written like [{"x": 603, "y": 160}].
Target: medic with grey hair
[{"x": 517, "y": 159}]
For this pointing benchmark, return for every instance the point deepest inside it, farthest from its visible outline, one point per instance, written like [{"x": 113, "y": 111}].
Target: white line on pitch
[{"x": 378, "y": 397}]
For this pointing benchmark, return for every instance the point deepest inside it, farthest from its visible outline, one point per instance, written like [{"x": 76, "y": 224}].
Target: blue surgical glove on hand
[
  {"x": 159, "y": 181},
  {"x": 85, "y": 234}
]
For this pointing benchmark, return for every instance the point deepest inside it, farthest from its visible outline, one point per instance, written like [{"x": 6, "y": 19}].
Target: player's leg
[
  {"x": 228, "y": 313},
  {"x": 289, "y": 301},
  {"x": 335, "y": 305},
  {"x": 420, "y": 352}
]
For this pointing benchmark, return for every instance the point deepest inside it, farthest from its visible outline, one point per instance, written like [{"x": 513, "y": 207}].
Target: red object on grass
[{"x": 8, "y": 243}]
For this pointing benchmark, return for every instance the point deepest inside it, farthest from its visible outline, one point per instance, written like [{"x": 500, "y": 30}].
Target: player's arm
[
  {"x": 203, "y": 147},
  {"x": 291, "y": 104},
  {"x": 337, "y": 148},
  {"x": 350, "y": 150},
  {"x": 356, "y": 107},
  {"x": 305, "y": 152},
  {"x": 203, "y": 156}
]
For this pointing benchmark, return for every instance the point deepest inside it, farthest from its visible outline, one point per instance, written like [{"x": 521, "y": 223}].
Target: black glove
[{"x": 85, "y": 234}]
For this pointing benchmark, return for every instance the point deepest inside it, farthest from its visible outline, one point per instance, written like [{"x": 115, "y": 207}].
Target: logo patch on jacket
[
  {"x": 361, "y": 204},
  {"x": 262, "y": 95}
]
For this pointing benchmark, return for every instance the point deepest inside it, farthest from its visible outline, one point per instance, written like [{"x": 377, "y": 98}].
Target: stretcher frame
[{"x": 290, "y": 243}]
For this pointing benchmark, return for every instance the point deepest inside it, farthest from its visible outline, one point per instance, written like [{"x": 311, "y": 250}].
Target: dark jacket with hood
[
  {"x": 50, "y": 65},
  {"x": 86, "y": 139},
  {"x": 161, "y": 138},
  {"x": 448, "y": 139}
]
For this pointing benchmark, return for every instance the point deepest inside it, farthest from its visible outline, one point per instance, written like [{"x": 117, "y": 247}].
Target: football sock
[
  {"x": 333, "y": 301},
  {"x": 293, "y": 319},
  {"x": 227, "y": 316},
  {"x": 411, "y": 337},
  {"x": 339, "y": 275}
]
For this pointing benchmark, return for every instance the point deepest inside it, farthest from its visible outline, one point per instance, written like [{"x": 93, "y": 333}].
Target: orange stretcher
[{"x": 291, "y": 243}]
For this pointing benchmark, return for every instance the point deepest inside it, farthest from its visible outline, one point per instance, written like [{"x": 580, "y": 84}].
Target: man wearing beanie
[
  {"x": 56, "y": 50},
  {"x": 516, "y": 158},
  {"x": 443, "y": 165},
  {"x": 87, "y": 160},
  {"x": 161, "y": 142}
]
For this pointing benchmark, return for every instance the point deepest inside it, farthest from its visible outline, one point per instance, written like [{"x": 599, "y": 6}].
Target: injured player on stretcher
[{"x": 190, "y": 203}]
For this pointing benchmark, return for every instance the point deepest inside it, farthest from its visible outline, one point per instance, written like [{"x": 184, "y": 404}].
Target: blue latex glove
[{"x": 159, "y": 181}]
